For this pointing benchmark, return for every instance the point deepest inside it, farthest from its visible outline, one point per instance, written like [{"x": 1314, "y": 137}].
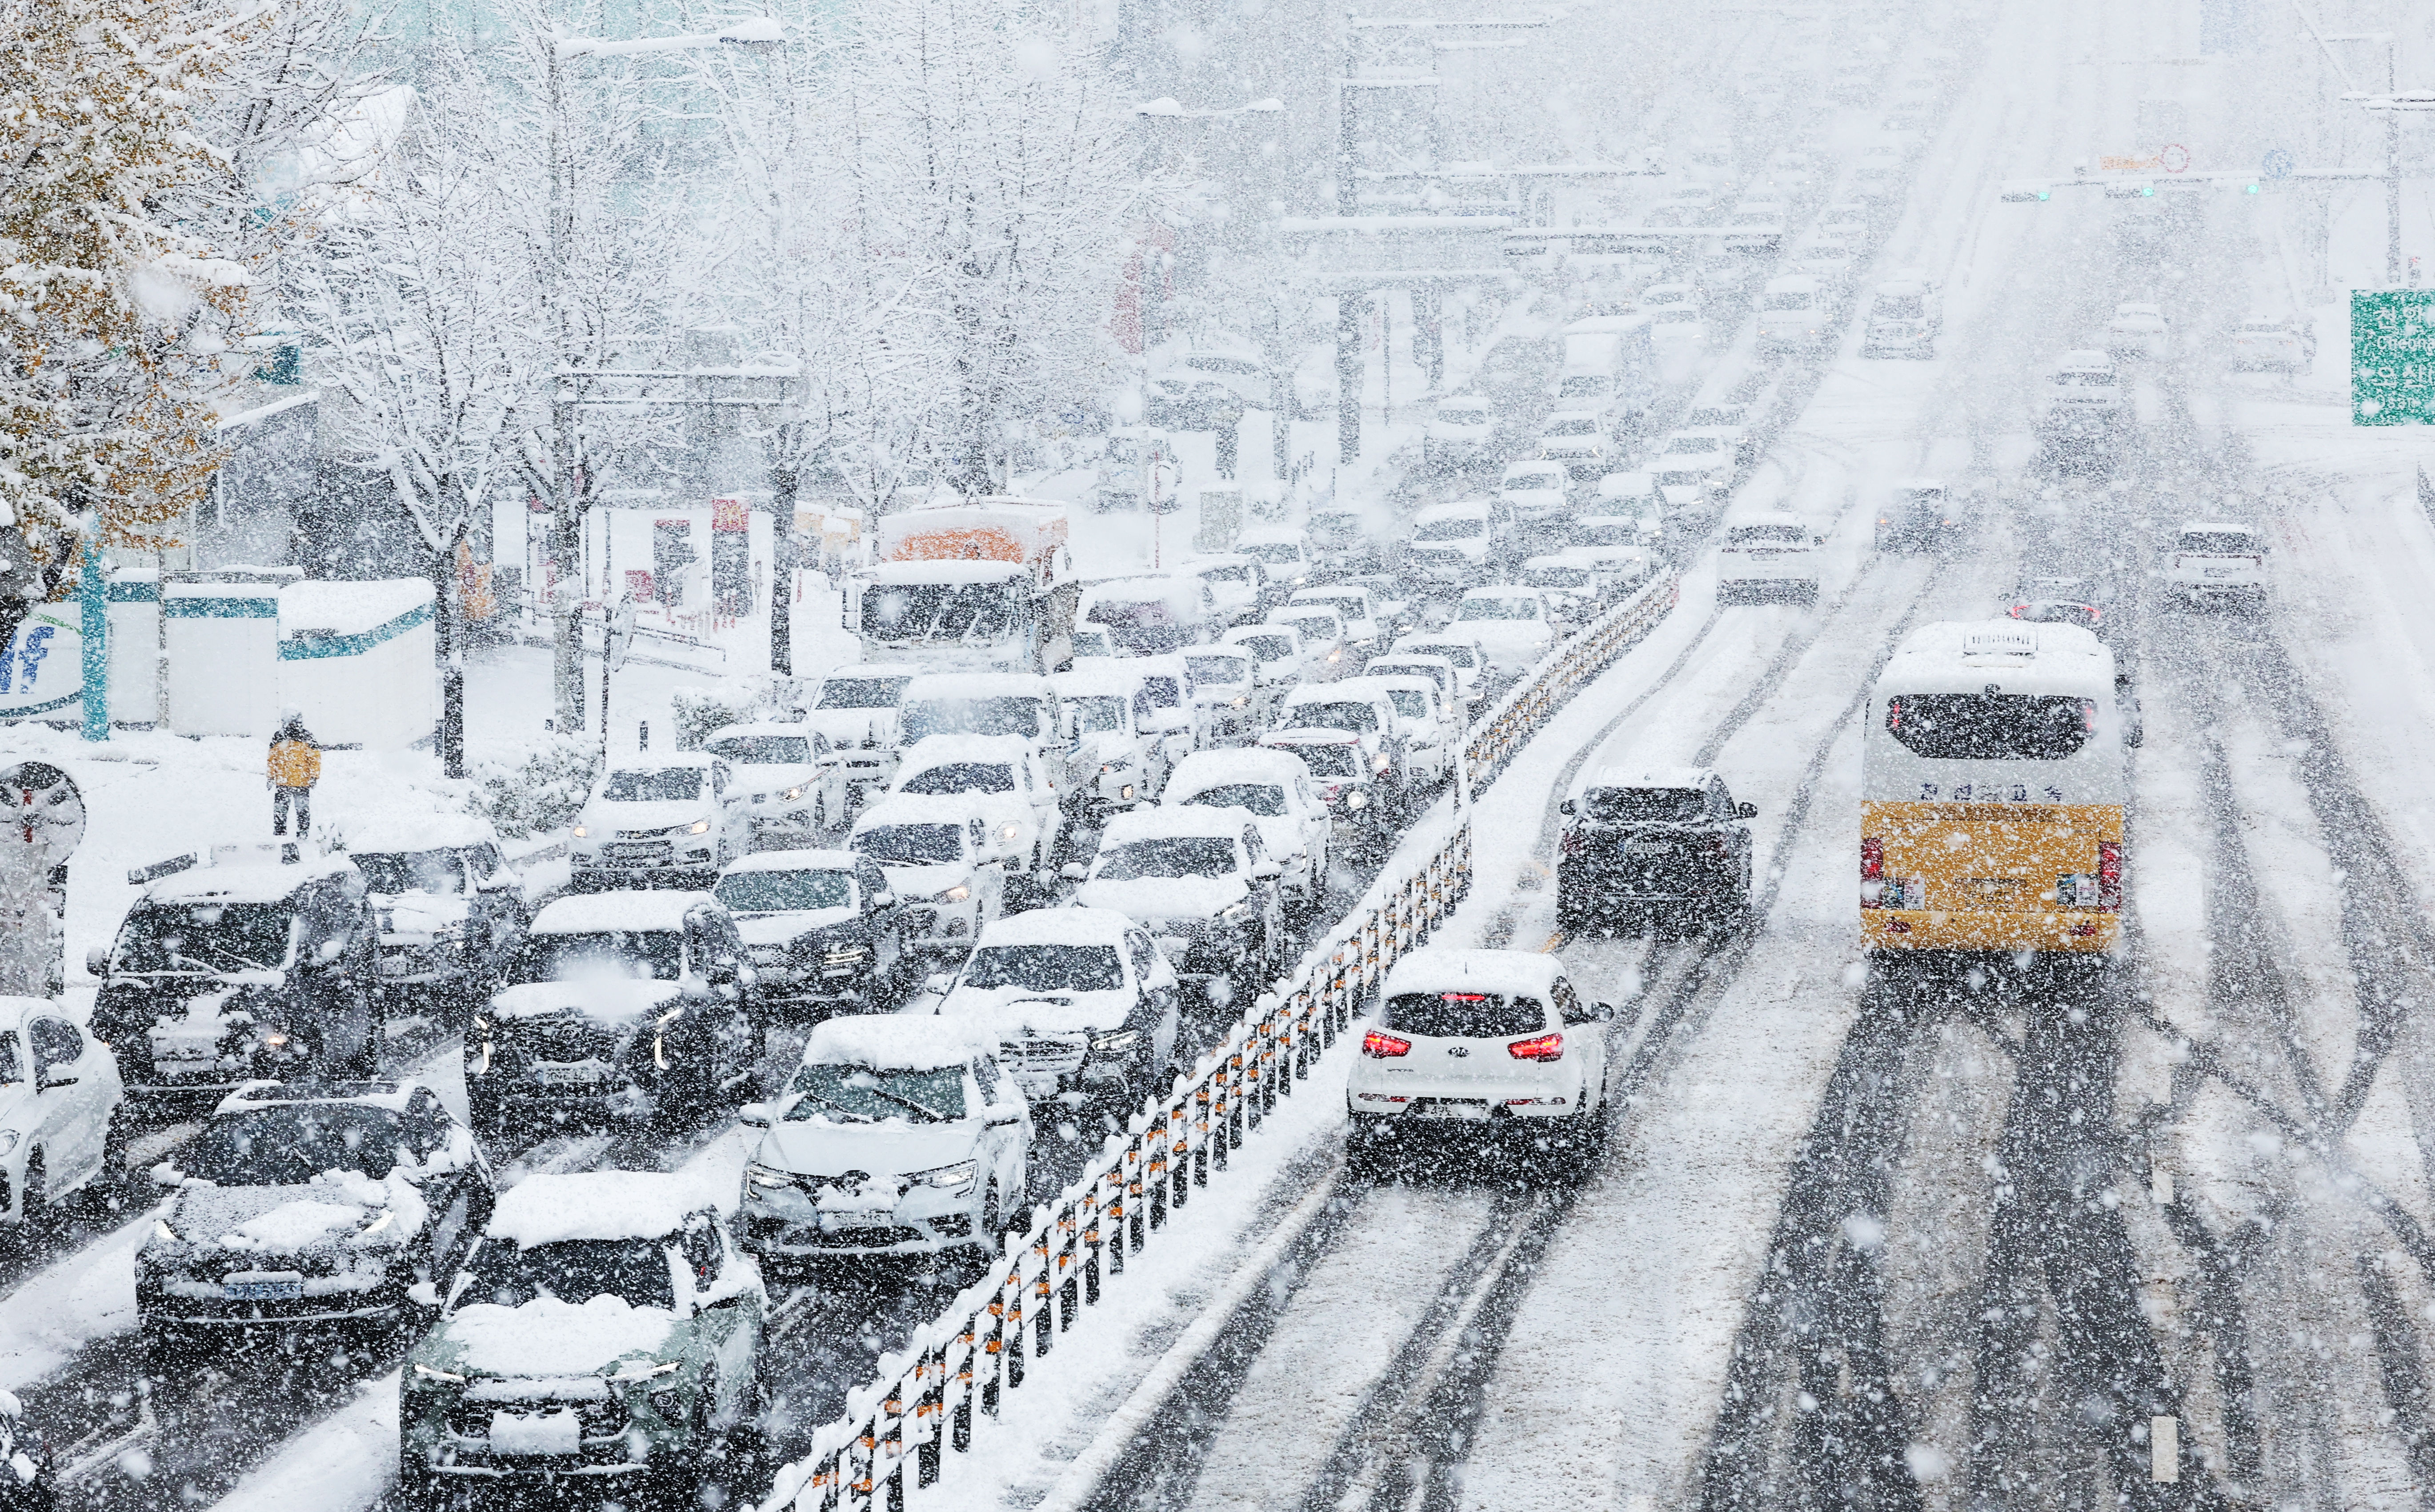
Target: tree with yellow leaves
[{"x": 114, "y": 311}]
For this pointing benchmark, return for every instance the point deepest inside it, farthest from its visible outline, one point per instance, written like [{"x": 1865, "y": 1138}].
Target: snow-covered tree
[{"x": 115, "y": 311}]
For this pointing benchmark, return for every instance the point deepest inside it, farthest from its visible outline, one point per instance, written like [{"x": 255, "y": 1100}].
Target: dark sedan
[
  {"x": 1653, "y": 851},
  {"x": 822, "y": 928}
]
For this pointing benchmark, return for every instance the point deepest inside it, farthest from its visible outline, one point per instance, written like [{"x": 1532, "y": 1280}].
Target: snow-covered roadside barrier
[{"x": 927, "y": 1398}]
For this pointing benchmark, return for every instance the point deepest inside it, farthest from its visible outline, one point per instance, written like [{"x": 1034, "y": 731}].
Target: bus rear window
[{"x": 1976, "y": 727}]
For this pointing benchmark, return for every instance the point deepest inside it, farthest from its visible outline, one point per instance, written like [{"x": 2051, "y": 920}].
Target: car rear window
[
  {"x": 2219, "y": 543},
  {"x": 1646, "y": 805},
  {"x": 1463, "y": 1015},
  {"x": 1971, "y": 727}
]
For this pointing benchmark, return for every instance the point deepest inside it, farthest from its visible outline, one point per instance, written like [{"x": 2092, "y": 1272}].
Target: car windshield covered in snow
[
  {"x": 205, "y": 938},
  {"x": 1562, "y": 578},
  {"x": 1463, "y": 1015},
  {"x": 861, "y": 692},
  {"x": 1766, "y": 535},
  {"x": 1047, "y": 967},
  {"x": 1645, "y": 805},
  {"x": 1182, "y": 856},
  {"x": 1409, "y": 702},
  {"x": 1461, "y": 527},
  {"x": 1267, "y": 648},
  {"x": 1357, "y": 715},
  {"x": 1266, "y": 799},
  {"x": 654, "y": 784},
  {"x": 1902, "y": 306},
  {"x": 1973, "y": 727},
  {"x": 912, "y": 845},
  {"x": 938, "y": 611},
  {"x": 860, "y": 1094},
  {"x": 1094, "y": 712},
  {"x": 289, "y": 1145},
  {"x": 772, "y": 892},
  {"x": 1329, "y": 761},
  {"x": 2216, "y": 543},
  {"x": 604, "y": 955},
  {"x": 572, "y": 1270},
  {"x": 1498, "y": 609},
  {"x": 961, "y": 777},
  {"x": 1216, "y": 671},
  {"x": 1009, "y": 716},
  {"x": 396, "y": 871},
  {"x": 786, "y": 750}
]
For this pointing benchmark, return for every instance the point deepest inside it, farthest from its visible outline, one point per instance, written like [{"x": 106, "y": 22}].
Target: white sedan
[
  {"x": 1275, "y": 787},
  {"x": 2136, "y": 331},
  {"x": 60, "y": 1122},
  {"x": 1513, "y": 626}
]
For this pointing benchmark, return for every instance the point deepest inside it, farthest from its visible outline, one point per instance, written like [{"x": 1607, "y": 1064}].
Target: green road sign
[{"x": 2392, "y": 357}]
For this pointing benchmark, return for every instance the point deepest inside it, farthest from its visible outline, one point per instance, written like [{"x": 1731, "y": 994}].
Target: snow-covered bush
[
  {"x": 541, "y": 791},
  {"x": 701, "y": 712}
]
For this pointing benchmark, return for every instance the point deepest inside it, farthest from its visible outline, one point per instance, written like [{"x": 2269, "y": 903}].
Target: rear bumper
[{"x": 2074, "y": 932}]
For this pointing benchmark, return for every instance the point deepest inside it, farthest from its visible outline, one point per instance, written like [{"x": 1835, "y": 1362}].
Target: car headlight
[
  {"x": 697, "y": 827},
  {"x": 162, "y": 1231},
  {"x": 580, "y": 833},
  {"x": 793, "y": 793},
  {"x": 1358, "y": 799},
  {"x": 768, "y": 1176},
  {"x": 428, "y": 1373},
  {"x": 377, "y": 1225},
  {"x": 1110, "y": 1044},
  {"x": 954, "y": 895},
  {"x": 1009, "y": 832},
  {"x": 956, "y": 1177}
]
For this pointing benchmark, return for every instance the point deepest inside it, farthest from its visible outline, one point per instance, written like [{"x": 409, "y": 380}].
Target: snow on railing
[{"x": 920, "y": 1405}]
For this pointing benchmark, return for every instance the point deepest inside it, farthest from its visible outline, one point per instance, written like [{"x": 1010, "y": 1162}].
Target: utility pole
[{"x": 565, "y": 526}]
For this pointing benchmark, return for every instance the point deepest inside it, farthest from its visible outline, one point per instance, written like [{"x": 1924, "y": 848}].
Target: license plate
[
  {"x": 537, "y": 1433},
  {"x": 1646, "y": 848},
  {"x": 1462, "y": 1113},
  {"x": 576, "y": 1075},
  {"x": 1994, "y": 886},
  {"x": 872, "y": 1218},
  {"x": 264, "y": 1291},
  {"x": 636, "y": 852},
  {"x": 2219, "y": 572}
]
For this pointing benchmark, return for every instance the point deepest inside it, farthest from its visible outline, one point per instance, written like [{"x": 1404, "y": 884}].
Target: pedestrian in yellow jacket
[{"x": 295, "y": 767}]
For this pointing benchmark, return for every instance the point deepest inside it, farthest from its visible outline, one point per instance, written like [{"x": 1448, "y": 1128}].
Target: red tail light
[
  {"x": 1872, "y": 870},
  {"x": 2108, "y": 874},
  {"x": 1382, "y": 1046},
  {"x": 2019, "y": 609},
  {"x": 1570, "y": 842},
  {"x": 1545, "y": 1047}
]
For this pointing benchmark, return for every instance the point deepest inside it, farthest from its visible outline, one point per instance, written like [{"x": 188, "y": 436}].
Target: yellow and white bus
[{"x": 1990, "y": 793}]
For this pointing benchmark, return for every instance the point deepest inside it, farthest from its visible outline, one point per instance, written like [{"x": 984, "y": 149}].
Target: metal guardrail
[{"x": 921, "y": 1406}]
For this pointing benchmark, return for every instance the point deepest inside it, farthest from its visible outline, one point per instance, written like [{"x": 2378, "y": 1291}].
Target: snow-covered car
[
  {"x": 1275, "y": 788},
  {"x": 1849, "y": 221},
  {"x": 243, "y": 968},
  {"x": 1284, "y": 555},
  {"x": 856, "y": 710},
  {"x": 2275, "y": 341},
  {"x": 1275, "y": 651},
  {"x": 1230, "y": 700},
  {"x": 450, "y": 909},
  {"x": 1729, "y": 420},
  {"x": 309, "y": 1204},
  {"x": 1364, "y": 622},
  {"x": 1767, "y": 555},
  {"x": 822, "y": 928},
  {"x": 1578, "y": 438},
  {"x": 1793, "y": 314},
  {"x": 1345, "y": 774},
  {"x": 1879, "y": 176},
  {"x": 1905, "y": 316},
  {"x": 2138, "y": 331},
  {"x": 1829, "y": 260},
  {"x": 1440, "y": 671},
  {"x": 1510, "y": 623},
  {"x": 671, "y": 819},
  {"x": 1106, "y": 716},
  {"x": 1693, "y": 468},
  {"x": 621, "y": 1006},
  {"x": 1457, "y": 542},
  {"x": 1080, "y": 1001},
  {"x": 1337, "y": 531},
  {"x": 2085, "y": 381},
  {"x": 1464, "y": 653},
  {"x": 1428, "y": 725},
  {"x": 1004, "y": 766},
  {"x": 1167, "y": 706},
  {"x": 1020, "y": 704},
  {"x": 1616, "y": 569},
  {"x": 1669, "y": 297},
  {"x": 1322, "y": 631},
  {"x": 1473, "y": 1046},
  {"x": 897, "y": 1135},
  {"x": 605, "y": 1334},
  {"x": 1640, "y": 843},
  {"x": 1391, "y": 604},
  {"x": 2212, "y": 559},
  {"x": 1153, "y": 613},
  {"x": 789, "y": 781},
  {"x": 1201, "y": 882},
  {"x": 946, "y": 859},
  {"x": 1535, "y": 492},
  {"x": 2082, "y": 601},
  {"x": 1573, "y": 588},
  {"x": 1624, "y": 509},
  {"x": 1460, "y": 431},
  {"x": 61, "y": 1131},
  {"x": 29, "y": 1479},
  {"x": 1234, "y": 586}
]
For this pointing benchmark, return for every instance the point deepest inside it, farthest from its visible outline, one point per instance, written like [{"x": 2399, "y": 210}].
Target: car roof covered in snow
[
  {"x": 2217, "y": 527},
  {"x": 1763, "y": 517},
  {"x": 942, "y": 750},
  {"x": 1184, "y": 820},
  {"x": 1636, "y": 779},
  {"x": 253, "y": 875},
  {"x": 889, "y": 1041},
  {"x": 762, "y": 727},
  {"x": 552, "y": 1207},
  {"x": 1309, "y": 735},
  {"x": 793, "y": 861},
  {"x": 1093, "y": 676},
  {"x": 1344, "y": 690},
  {"x": 1504, "y": 590},
  {"x": 1273, "y": 536},
  {"x": 1205, "y": 769},
  {"x": 385, "y": 833},
  {"x": 976, "y": 685},
  {"x": 392, "y": 1096},
  {"x": 1453, "y": 971},
  {"x": 591, "y": 913},
  {"x": 1057, "y": 926},
  {"x": 1459, "y": 509},
  {"x": 1198, "y": 565},
  {"x": 938, "y": 808},
  {"x": 2083, "y": 359},
  {"x": 1634, "y": 485},
  {"x": 857, "y": 671},
  {"x": 1552, "y": 559}
]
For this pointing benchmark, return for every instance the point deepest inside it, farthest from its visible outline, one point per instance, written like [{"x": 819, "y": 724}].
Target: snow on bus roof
[
  {"x": 592, "y": 913},
  {"x": 1970, "y": 656},
  {"x": 1453, "y": 971},
  {"x": 917, "y": 573},
  {"x": 889, "y": 1041},
  {"x": 553, "y": 1206}
]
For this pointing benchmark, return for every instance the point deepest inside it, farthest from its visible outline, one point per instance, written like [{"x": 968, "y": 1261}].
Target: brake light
[
  {"x": 2019, "y": 609},
  {"x": 1545, "y": 1047},
  {"x": 1379, "y": 1045},
  {"x": 1569, "y": 842},
  {"x": 2108, "y": 874},
  {"x": 1873, "y": 871}
]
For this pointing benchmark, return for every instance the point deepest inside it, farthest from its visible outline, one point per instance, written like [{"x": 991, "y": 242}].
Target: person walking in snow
[{"x": 295, "y": 767}]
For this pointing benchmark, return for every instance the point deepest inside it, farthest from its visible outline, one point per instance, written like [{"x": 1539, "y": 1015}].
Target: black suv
[
  {"x": 1653, "y": 851},
  {"x": 253, "y": 965}
]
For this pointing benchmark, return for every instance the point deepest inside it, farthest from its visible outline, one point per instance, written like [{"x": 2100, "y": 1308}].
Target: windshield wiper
[
  {"x": 928, "y": 1112},
  {"x": 830, "y": 1102},
  {"x": 242, "y": 963}
]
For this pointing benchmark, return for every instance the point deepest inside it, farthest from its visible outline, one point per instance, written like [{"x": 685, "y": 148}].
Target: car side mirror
[
  {"x": 1073, "y": 871},
  {"x": 1001, "y": 1117},
  {"x": 883, "y": 899},
  {"x": 1745, "y": 811},
  {"x": 1605, "y": 1012},
  {"x": 331, "y": 949},
  {"x": 938, "y": 982},
  {"x": 1818, "y": 540},
  {"x": 167, "y": 1175},
  {"x": 96, "y": 960},
  {"x": 754, "y": 1115},
  {"x": 425, "y": 1294},
  {"x": 1268, "y": 871},
  {"x": 1568, "y": 808}
]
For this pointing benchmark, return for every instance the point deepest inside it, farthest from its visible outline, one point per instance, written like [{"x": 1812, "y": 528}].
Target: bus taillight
[
  {"x": 1872, "y": 870},
  {"x": 2108, "y": 874}
]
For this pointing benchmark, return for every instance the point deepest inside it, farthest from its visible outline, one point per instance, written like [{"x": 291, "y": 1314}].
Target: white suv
[
  {"x": 2211, "y": 559},
  {"x": 659, "y": 819},
  {"x": 1479, "y": 1046},
  {"x": 1768, "y": 556}
]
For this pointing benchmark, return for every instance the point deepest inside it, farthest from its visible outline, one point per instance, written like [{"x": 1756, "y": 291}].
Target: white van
[
  {"x": 2214, "y": 561},
  {"x": 1793, "y": 315},
  {"x": 1768, "y": 556}
]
